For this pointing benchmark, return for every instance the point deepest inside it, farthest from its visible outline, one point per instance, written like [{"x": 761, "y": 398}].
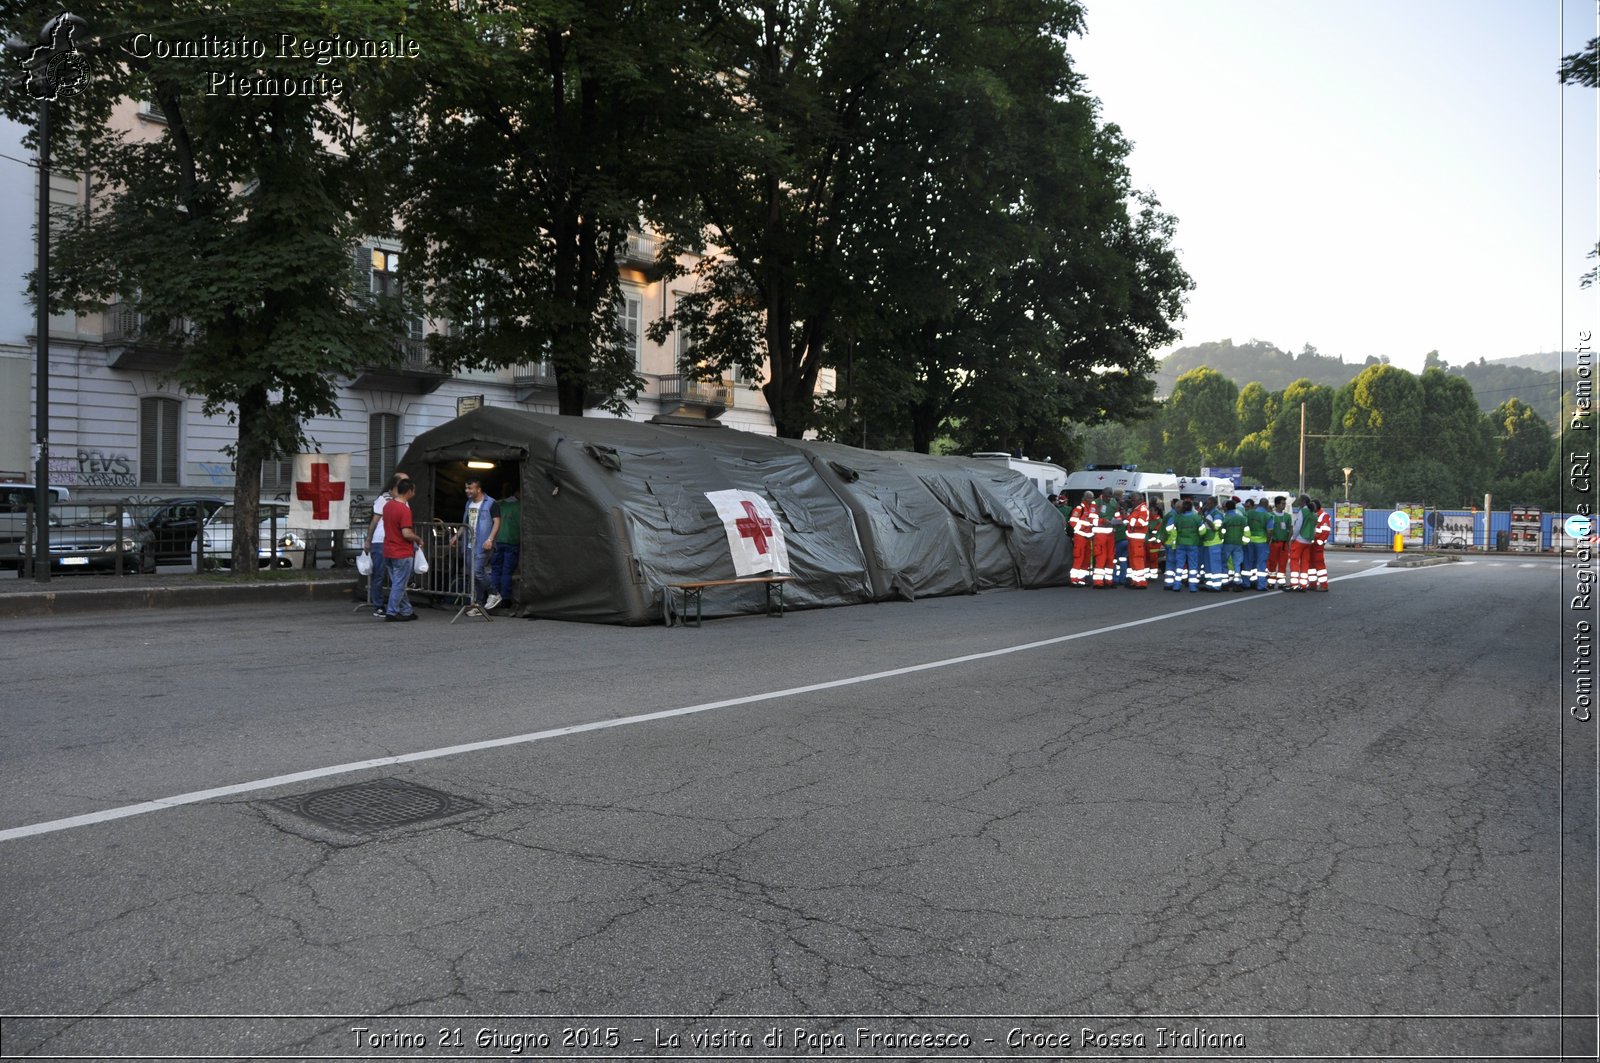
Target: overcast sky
[{"x": 1372, "y": 177}]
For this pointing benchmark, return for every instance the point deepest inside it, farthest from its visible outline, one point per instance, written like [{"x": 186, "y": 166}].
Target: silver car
[{"x": 277, "y": 545}]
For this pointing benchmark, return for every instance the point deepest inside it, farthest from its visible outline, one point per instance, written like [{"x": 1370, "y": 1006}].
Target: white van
[
  {"x": 1045, "y": 476},
  {"x": 1153, "y": 485}
]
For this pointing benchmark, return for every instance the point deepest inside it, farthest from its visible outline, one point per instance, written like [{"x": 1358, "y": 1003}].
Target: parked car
[
  {"x": 15, "y": 501},
  {"x": 277, "y": 546},
  {"x": 87, "y": 539},
  {"x": 176, "y": 523}
]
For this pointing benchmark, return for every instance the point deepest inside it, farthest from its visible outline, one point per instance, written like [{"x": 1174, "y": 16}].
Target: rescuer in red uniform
[
  {"x": 1082, "y": 523},
  {"x": 1138, "y": 533}
]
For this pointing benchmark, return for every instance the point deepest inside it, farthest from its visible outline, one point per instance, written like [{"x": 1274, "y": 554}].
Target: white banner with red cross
[
  {"x": 320, "y": 497},
  {"x": 755, "y": 538}
]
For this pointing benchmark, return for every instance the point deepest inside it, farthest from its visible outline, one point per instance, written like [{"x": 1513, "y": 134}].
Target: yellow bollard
[{"x": 1399, "y": 543}]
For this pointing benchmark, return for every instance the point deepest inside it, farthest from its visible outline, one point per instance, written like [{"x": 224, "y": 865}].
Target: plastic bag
[
  {"x": 420, "y": 564},
  {"x": 364, "y": 564}
]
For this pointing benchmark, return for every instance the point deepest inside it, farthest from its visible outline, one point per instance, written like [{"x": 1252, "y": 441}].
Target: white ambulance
[{"x": 1045, "y": 476}]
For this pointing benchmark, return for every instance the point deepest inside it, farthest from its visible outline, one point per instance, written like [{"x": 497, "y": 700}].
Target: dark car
[
  {"x": 88, "y": 539},
  {"x": 175, "y": 523}
]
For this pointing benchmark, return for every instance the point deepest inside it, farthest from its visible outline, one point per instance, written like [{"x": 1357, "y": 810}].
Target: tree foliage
[
  {"x": 228, "y": 231},
  {"x": 924, "y": 191}
]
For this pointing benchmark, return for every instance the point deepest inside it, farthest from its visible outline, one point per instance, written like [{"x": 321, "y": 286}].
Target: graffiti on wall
[{"x": 99, "y": 469}]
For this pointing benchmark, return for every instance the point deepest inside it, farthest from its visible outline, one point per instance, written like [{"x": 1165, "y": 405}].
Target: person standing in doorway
[
  {"x": 479, "y": 541},
  {"x": 507, "y": 516}
]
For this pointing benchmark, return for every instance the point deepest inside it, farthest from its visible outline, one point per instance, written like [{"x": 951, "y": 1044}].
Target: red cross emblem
[
  {"x": 754, "y": 527},
  {"x": 319, "y": 491}
]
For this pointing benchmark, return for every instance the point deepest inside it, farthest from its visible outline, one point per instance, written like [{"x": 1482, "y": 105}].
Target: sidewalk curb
[
  {"x": 71, "y": 602},
  {"x": 1422, "y": 562}
]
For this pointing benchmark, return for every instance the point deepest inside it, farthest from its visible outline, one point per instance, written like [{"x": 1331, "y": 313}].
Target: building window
[
  {"x": 628, "y": 318},
  {"x": 383, "y": 449},
  {"x": 158, "y": 441},
  {"x": 382, "y": 269},
  {"x": 277, "y": 474}
]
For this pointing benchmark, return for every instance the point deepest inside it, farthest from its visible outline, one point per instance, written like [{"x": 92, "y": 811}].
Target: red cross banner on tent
[
  {"x": 755, "y": 538},
  {"x": 320, "y": 498}
]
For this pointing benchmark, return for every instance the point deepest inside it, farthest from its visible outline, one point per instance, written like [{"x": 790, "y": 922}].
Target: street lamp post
[
  {"x": 51, "y": 73},
  {"x": 1347, "y": 471}
]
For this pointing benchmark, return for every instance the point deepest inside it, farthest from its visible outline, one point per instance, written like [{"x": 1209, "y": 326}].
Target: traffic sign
[
  {"x": 1399, "y": 522},
  {"x": 1579, "y": 527}
]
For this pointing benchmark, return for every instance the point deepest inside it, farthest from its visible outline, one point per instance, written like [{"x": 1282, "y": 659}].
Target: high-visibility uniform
[
  {"x": 1187, "y": 527},
  {"x": 1211, "y": 550},
  {"x": 1138, "y": 531},
  {"x": 1255, "y": 547},
  {"x": 1119, "y": 533},
  {"x": 1105, "y": 541},
  {"x": 1305, "y": 530},
  {"x": 1280, "y": 529},
  {"x": 1233, "y": 531},
  {"x": 1319, "y": 544},
  {"x": 1169, "y": 553},
  {"x": 1082, "y": 526}
]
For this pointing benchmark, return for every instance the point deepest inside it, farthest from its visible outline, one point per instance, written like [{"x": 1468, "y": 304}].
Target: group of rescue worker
[{"x": 1124, "y": 539}]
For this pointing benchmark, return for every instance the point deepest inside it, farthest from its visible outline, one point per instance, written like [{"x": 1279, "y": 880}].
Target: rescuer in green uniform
[{"x": 1234, "y": 528}]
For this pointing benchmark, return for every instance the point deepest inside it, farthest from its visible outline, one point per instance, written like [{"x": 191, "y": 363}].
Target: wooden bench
[{"x": 692, "y": 590}]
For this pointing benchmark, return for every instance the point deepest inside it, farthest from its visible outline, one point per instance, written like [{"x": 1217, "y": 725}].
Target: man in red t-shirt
[{"x": 399, "y": 547}]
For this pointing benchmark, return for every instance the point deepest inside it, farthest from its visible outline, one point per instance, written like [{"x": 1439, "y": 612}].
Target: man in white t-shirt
[{"x": 376, "y": 596}]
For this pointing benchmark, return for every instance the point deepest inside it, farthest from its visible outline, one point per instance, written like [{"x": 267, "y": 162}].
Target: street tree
[
  {"x": 913, "y": 185},
  {"x": 227, "y": 226},
  {"x": 525, "y": 147}
]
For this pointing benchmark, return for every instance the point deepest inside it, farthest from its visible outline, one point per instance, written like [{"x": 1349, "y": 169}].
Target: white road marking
[{"x": 197, "y": 796}]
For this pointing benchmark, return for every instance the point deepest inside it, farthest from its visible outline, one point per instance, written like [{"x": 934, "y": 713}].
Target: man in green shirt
[
  {"x": 507, "y": 548},
  {"x": 1187, "y": 525},
  {"x": 1234, "y": 528},
  {"x": 1255, "y": 544}
]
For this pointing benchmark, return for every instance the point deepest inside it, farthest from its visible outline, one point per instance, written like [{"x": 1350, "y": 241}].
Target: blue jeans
[
  {"x": 380, "y": 568},
  {"x": 399, "y": 573},
  {"x": 506, "y": 556},
  {"x": 478, "y": 561}
]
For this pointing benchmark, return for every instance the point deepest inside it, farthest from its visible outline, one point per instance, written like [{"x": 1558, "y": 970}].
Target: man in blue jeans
[
  {"x": 399, "y": 547},
  {"x": 482, "y": 526}
]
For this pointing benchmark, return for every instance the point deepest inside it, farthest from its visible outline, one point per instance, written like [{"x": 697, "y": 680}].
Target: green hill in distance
[{"x": 1533, "y": 378}]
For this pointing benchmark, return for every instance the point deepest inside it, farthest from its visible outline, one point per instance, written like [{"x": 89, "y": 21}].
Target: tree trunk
[{"x": 252, "y": 448}]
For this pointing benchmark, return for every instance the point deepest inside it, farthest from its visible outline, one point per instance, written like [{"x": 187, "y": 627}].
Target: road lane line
[{"x": 197, "y": 796}]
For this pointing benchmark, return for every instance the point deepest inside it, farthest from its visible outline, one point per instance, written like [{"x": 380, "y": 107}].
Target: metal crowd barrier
[{"x": 450, "y": 579}]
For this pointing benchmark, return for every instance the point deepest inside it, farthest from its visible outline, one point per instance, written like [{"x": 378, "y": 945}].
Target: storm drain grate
[{"x": 366, "y": 807}]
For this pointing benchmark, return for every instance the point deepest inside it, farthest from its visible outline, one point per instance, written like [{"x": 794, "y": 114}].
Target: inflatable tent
[{"x": 615, "y": 512}]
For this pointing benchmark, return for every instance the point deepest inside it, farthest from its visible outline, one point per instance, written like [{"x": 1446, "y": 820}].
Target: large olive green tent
[{"x": 615, "y": 512}]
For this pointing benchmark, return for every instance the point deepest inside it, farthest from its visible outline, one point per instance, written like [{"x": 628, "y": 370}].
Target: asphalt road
[{"x": 1058, "y": 823}]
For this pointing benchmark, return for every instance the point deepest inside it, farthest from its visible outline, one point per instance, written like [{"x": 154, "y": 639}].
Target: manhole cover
[{"x": 377, "y": 805}]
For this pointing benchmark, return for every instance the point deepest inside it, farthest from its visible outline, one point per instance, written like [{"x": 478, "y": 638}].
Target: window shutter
[
  {"x": 158, "y": 440},
  {"x": 364, "y": 270},
  {"x": 383, "y": 445}
]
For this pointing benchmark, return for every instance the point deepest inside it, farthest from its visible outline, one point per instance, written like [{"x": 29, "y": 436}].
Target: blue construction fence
[{"x": 1456, "y": 529}]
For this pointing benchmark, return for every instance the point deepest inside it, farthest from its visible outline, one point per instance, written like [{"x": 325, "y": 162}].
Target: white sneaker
[{"x": 492, "y": 602}]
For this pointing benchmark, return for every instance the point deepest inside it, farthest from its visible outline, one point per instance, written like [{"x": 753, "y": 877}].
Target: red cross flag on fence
[
  {"x": 320, "y": 497},
  {"x": 755, "y": 538}
]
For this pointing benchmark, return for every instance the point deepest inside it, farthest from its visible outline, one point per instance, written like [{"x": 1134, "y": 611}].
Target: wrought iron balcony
[
  {"x": 532, "y": 378},
  {"x": 708, "y": 398},
  {"x": 638, "y": 251},
  {"x": 412, "y": 371},
  {"x": 127, "y": 345}
]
